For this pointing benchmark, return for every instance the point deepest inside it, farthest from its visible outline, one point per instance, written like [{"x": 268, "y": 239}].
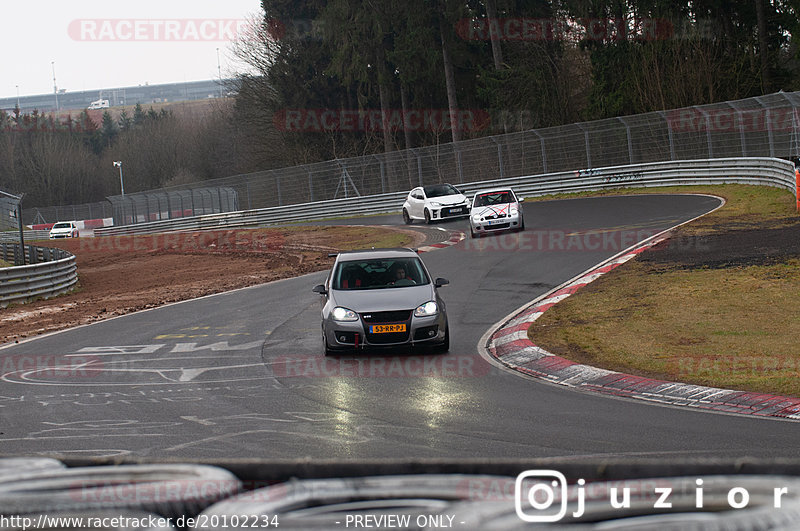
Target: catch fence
[{"x": 765, "y": 126}]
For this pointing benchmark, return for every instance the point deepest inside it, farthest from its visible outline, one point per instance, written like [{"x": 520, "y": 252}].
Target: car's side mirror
[
  {"x": 320, "y": 288},
  {"x": 439, "y": 282}
]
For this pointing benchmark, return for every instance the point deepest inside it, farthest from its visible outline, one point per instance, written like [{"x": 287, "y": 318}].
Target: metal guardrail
[
  {"x": 755, "y": 170},
  {"x": 51, "y": 272},
  {"x": 30, "y": 235}
]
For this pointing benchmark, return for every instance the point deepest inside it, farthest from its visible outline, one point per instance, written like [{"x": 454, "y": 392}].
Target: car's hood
[
  {"x": 66, "y": 230},
  {"x": 387, "y": 299},
  {"x": 454, "y": 199},
  {"x": 493, "y": 210}
]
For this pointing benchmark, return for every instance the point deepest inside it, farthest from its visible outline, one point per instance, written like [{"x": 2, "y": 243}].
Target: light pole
[
  {"x": 219, "y": 74},
  {"x": 118, "y": 164},
  {"x": 55, "y": 87}
]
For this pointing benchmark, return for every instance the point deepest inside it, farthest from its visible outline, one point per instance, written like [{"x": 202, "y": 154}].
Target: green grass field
[{"x": 733, "y": 327}]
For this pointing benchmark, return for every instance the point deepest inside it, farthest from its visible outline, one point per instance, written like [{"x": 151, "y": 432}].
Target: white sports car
[
  {"x": 64, "y": 229},
  {"x": 495, "y": 210},
  {"x": 435, "y": 202}
]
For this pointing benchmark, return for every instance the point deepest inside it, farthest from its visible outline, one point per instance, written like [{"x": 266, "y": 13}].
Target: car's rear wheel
[
  {"x": 406, "y": 218},
  {"x": 427, "y": 217}
]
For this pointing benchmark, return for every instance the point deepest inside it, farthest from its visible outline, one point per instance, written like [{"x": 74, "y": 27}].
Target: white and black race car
[{"x": 495, "y": 210}]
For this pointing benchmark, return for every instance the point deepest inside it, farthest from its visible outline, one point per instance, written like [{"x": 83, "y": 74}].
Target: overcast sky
[{"x": 97, "y": 44}]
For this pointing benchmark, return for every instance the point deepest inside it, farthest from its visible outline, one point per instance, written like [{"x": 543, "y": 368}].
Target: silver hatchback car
[{"x": 382, "y": 298}]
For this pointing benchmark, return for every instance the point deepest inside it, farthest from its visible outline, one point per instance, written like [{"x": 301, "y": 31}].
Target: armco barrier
[
  {"x": 49, "y": 273},
  {"x": 30, "y": 235},
  {"x": 752, "y": 170}
]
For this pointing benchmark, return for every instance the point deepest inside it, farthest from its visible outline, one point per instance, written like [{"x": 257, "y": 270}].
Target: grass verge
[{"x": 727, "y": 324}]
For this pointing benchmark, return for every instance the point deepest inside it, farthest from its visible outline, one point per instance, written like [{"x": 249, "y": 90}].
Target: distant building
[{"x": 144, "y": 94}]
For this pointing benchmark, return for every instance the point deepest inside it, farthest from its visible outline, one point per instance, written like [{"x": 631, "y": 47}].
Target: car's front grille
[
  {"x": 453, "y": 211},
  {"x": 498, "y": 226},
  {"x": 385, "y": 339},
  {"x": 399, "y": 316}
]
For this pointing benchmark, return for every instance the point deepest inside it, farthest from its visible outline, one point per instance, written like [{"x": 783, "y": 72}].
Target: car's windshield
[
  {"x": 440, "y": 190},
  {"x": 379, "y": 274},
  {"x": 62, "y": 226},
  {"x": 493, "y": 198}
]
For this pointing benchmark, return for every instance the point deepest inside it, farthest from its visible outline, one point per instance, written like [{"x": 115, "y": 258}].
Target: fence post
[
  {"x": 669, "y": 135},
  {"x": 419, "y": 164},
  {"x": 310, "y": 187},
  {"x": 708, "y": 132},
  {"x": 768, "y": 125},
  {"x": 169, "y": 206},
  {"x": 499, "y": 156},
  {"x": 740, "y": 119},
  {"x": 586, "y": 142},
  {"x": 383, "y": 174},
  {"x": 544, "y": 151},
  {"x": 459, "y": 165},
  {"x": 770, "y": 135},
  {"x": 630, "y": 142}
]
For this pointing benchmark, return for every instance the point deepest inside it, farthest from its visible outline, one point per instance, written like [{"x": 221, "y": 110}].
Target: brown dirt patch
[
  {"x": 123, "y": 274},
  {"x": 726, "y": 249}
]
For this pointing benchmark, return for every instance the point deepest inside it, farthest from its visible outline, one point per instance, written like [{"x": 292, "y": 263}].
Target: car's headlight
[
  {"x": 476, "y": 217},
  {"x": 435, "y": 203},
  {"x": 427, "y": 309},
  {"x": 514, "y": 212},
  {"x": 343, "y": 314}
]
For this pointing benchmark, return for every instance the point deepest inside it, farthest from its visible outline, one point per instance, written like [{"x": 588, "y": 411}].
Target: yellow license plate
[{"x": 387, "y": 329}]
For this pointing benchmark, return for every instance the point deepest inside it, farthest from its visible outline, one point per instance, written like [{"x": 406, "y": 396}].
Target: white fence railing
[
  {"x": 754, "y": 170},
  {"x": 51, "y": 272}
]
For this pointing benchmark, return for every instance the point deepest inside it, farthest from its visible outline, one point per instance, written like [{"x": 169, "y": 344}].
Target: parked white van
[{"x": 99, "y": 104}]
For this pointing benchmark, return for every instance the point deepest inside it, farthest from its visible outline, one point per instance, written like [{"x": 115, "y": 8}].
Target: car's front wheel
[
  {"x": 406, "y": 218},
  {"x": 444, "y": 346},
  {"x": 427, "y": 216},
  {"x": 325, "y": 348}
]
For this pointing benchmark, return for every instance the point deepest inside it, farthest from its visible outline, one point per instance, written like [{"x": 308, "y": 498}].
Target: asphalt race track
[{"x": 242, "y": 374}]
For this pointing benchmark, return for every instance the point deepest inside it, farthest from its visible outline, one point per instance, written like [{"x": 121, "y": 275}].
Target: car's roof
[
  {"x": 493, "y": 191},
  {"x": 368, "y": 254}
]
